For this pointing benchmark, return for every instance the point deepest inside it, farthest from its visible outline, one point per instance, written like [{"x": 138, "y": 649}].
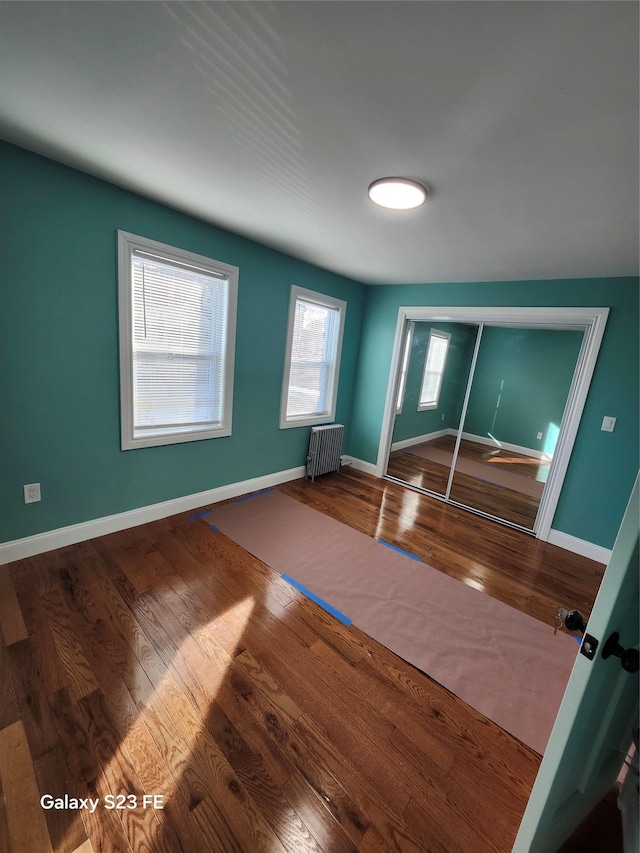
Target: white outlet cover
[
  {"x": 608, "y": 424},
  {"x": 32, "y": 493}
]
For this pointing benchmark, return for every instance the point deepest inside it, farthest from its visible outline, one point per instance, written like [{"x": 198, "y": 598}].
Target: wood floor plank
[
  {"x": 32, "y": 606},
  {"x": 66, "y": 829},
  {"x": 132, "y": 563},
  {"x": 5, "y": 841},
  {"x": 11, "y": 620},
  {"x": 229, "y": 796},
  {"x": 151, "y": 767},
  {"x": 9, "y": 708},
  {"x": 364, "y": 752},
  {"x": 410, "y": 737},
  {"x": 189, "y": 779},
  {"x": 26, "y": 826},
  {"x": 279, "y": 727},
  {"x": 118, "y": 777},
  {"x": 103, "y": 826},
  {"x": 142, "y": 651},
  {"x": 79, "y": 675},
  {"x": 265, "y": 791},
  {"x": 431, "y": 825},
  {"x": 32, "y": 698},
  {"x": 106, "y": 648},
  {"x": 325, "y": 828}
]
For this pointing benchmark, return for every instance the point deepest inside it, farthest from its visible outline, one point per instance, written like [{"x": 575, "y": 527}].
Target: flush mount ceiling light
[{"x": 397, "y": 193}]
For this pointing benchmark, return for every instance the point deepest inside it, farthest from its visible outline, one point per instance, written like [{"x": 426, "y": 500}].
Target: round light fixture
[{"x": 397, "y": 193}]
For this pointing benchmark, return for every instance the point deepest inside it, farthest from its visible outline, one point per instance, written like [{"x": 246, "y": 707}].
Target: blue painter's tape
[
  {"x": 200, "y": 514},
  {"x": 253, "y": 495},
  {"x": 213, "y": 527},
  {"x": 399, "y": 550},
  {"x": 578, "y": 639},
  {"x": 325, "y": 605}
]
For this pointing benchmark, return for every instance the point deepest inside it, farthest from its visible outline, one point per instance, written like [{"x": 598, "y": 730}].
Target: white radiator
[{"x": 325, "y": 447}]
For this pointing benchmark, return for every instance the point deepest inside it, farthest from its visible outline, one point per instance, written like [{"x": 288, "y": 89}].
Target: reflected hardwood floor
[
  {"x": 166, "y": 660},
  {"x": 481, "y": 494}
]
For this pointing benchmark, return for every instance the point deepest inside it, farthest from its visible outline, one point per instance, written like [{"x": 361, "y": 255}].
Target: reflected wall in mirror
[
  {"x": 516, "y": 405},
  {"x": 436, "y": 364}
]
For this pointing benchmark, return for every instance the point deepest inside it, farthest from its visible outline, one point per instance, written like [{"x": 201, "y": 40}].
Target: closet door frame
[{"x": 591, "y": 321}]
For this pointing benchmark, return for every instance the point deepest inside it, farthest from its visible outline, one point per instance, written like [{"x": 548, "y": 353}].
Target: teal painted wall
[
  {"x": 603, "y": 465},
  {"x": 521, "y": 384},
  {"x": 59, "y": 386},
  {"x": 59, "y": 390},
  {"x": 411, "y": 423}
]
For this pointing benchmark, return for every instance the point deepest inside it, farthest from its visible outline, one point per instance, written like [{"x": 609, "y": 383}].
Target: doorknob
[
  {"x": 628, "y": 657},
  {"x": 573, "y": 620}
]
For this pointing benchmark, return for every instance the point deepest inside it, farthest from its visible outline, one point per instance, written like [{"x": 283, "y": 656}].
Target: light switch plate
[{"x": 608, "y": 424}]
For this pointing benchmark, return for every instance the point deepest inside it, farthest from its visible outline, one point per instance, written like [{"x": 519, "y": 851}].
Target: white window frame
[
  {"x": 433, "y": 404},
  {"x": 328, "y": 415},
  {"x": 127, "y": 245}
]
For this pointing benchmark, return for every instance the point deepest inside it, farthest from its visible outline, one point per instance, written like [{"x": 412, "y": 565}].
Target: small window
[
  {"x": 312, "y": 360},
  {"x": 434, "y": 365},
  {"x": 402, "y": 383},
  {"x": 177, "y": 316}
]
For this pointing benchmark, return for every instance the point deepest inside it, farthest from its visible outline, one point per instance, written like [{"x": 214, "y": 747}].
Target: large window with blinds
[
  {"x": 312, "y": 358},
  {"x": 177, "y": 314},
  {"x": 434, "y": 365}
]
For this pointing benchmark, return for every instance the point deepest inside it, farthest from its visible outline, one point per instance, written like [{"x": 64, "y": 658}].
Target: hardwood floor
[
  {"x": 165, "y": 660},
  {"x": 477, "y": 492}
]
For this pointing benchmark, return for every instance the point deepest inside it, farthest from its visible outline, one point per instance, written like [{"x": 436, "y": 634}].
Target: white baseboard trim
[
  {"x": 505, "y": 445},
  {"x": 579, "y": 546},
  {"x": 419, "y": 439},
  {"x": 360, "y": 465},
  {"x": 19, "y": 549},
  {"x": 478, "y": 439}
]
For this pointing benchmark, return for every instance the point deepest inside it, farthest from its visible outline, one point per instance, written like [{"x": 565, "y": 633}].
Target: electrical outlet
[
  {"x": 539, "y": 436},
  {"x": 32, "y": 493}
]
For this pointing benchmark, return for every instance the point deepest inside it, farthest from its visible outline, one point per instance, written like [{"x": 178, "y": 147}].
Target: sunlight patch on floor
[{"x": 173, "y": 721}]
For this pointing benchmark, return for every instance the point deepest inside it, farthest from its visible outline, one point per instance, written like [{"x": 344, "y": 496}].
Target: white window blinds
[
  {"x": 178, "y": 346},
  {"x": 177, "y": 329},
  {"x": 434, "y": 369},
  {"x": 315, "y": 330}
]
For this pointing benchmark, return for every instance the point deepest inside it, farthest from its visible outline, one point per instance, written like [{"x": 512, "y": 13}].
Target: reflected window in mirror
[{"x": 434, "y": 366}]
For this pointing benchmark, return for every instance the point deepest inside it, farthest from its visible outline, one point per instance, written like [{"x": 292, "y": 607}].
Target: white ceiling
[{"x": 271, "y": 119}]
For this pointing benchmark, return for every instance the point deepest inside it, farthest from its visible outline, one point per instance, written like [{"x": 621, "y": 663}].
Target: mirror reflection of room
[
  {"x": 520, "y": 388},
  {"x": 503, "y": 451},
  {"x": 436, "y": 363}
]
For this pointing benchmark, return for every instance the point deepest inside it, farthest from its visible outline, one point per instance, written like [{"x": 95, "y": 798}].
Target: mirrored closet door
[
  {"x": 435, "y": 373},
  {"x": 516, "y": 405},
  {"x": 482, "y": 408}
]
